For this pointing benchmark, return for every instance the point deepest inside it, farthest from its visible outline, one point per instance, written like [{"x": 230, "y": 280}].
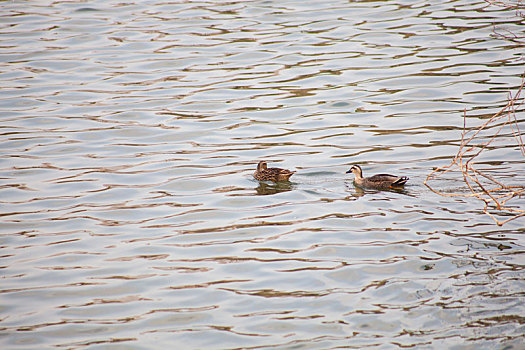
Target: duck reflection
[{"x": 266, "y": 188}]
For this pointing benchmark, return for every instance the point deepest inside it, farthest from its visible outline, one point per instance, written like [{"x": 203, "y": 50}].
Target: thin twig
[{"x": 493, "y": 192}]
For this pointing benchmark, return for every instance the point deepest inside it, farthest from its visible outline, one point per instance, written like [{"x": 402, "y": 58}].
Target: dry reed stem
[
  {"x": 519, "y": 8},
  {"x": 493, "y": 192},
  {"x": 515, "y": 5}
]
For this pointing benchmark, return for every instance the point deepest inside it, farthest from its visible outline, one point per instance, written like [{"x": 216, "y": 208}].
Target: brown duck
[
  {"x": 378, "y": 180},
  {"x": 263, "y": 173}
]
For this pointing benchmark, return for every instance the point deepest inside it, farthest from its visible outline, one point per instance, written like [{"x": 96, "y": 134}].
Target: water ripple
[{"x": 129, "y": 135}]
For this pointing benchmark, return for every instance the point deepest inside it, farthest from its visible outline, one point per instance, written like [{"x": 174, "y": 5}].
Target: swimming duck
[
  {"x": 263, "y": 173},
  {"x": 378, "y": 180}
]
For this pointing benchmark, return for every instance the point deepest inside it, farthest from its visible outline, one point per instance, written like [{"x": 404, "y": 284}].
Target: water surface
[{"x": 130, "y": 218}]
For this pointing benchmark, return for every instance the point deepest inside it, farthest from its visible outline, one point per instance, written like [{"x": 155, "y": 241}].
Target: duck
[
  {"x": 378, "y": 180},
  {"x": 263, "y": 173}
]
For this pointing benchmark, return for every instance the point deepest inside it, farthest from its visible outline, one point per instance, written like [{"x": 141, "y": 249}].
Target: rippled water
[{"x": 130, "y": 218}]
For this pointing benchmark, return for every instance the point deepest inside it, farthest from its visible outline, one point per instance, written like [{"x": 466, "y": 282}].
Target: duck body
[
  {"x": 263, "y": 173},
  {"x": 378, "y": 180}
]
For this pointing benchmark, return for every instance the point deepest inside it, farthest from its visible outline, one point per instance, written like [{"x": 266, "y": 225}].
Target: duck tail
[
  {"x": 285, "y": 175},
  {"x": 401, "y": 181},
  {"x": 289, "y": 173}
]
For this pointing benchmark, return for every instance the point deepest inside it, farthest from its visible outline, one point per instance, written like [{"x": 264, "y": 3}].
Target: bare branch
[{"x": 491, "y": 191}]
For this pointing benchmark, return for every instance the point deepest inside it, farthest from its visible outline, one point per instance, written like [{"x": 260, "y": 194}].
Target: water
[{"x": 130, "y": 218}]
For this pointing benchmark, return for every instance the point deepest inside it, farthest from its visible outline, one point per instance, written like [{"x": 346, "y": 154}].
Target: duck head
[
  {"x": 356, "y": 169},
  {"x": 262, "y": 166}
]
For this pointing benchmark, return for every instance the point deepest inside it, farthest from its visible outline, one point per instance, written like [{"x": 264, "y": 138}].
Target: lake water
[{"x": 130, "y": 218}]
